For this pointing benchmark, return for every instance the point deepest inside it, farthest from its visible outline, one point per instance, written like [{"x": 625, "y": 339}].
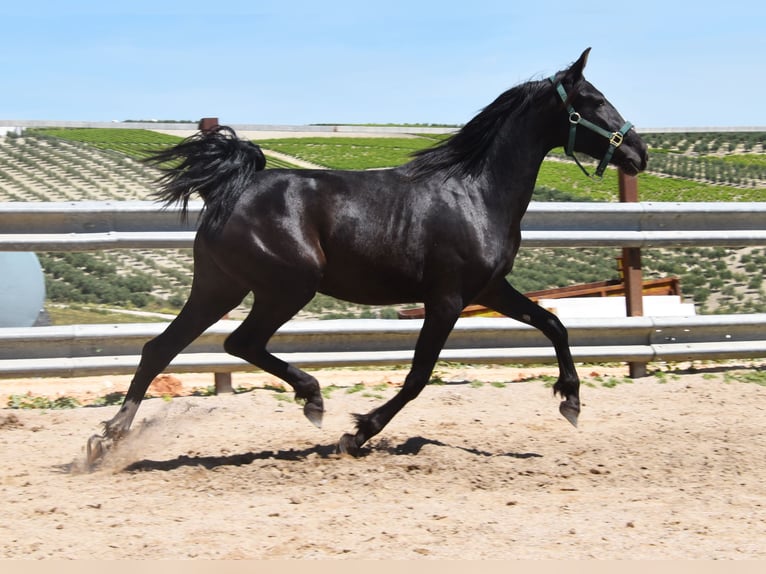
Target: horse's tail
[{"x": 216, "y": 164}]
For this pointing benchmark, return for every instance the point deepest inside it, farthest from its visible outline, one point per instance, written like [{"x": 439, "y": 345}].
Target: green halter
[{"x": 615, "y": 138}]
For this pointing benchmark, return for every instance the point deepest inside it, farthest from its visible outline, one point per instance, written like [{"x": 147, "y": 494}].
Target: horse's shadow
[
  {"x": 415, "y": 444},
  {"x": 211, "y": 462},
  {"x": 411, "y": 446}
]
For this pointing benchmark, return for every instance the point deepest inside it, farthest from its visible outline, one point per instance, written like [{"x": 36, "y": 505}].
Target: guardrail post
[
  {"x": 631, "y": 269},
  {"x": 223, "y": 383},
  {"x": 222, "y": 380}
]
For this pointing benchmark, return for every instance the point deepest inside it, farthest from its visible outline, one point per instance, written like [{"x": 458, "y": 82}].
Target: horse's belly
[{"x": 371, "y": 287}]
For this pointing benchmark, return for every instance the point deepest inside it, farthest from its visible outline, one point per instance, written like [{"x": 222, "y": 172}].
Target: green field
[
  {"x": 136, "y": 143},
  {"x": 740, "y": 176},
  {"x": 78, "y": 164},
  {"x": 350, "y": 153}
]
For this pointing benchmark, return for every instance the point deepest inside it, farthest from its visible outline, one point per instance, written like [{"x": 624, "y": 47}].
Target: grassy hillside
[{"x": 79, "y": 164}]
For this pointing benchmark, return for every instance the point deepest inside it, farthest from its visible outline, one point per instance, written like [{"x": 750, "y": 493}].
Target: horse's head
[{"x": 591, "y": 125}]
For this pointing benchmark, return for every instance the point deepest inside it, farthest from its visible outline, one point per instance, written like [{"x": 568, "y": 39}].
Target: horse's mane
[{"x": 464, "y": 153}]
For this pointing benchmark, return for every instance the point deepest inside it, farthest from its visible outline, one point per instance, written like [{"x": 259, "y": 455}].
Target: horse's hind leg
[
  {"x": 249, "y": 341},
  {"x": 502, "y": 297},
  {"x": 212, "y": 296}
]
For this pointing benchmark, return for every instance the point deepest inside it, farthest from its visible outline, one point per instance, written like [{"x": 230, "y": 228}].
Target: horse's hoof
[
  {"x": 570, "y": 412},
  {"x": 95, "y": 450},
  {"x": 347, "y": 445},
  {"x": 314, "y": 413}
]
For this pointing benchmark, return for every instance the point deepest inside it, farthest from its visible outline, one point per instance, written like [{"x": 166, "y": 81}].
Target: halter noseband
[{"x": 615, "y": 138}]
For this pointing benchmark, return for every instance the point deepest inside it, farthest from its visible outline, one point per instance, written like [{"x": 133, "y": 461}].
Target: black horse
[{"x": 443, "y": 230}]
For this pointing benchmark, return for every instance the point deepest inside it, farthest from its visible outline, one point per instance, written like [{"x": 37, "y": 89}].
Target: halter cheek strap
[{"x": 615, "y": 138}]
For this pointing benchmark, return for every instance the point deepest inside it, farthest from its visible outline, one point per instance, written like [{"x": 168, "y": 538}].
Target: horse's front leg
[
  {"x": 439, "y": 321},
  {"x": 503, "y": 298}
]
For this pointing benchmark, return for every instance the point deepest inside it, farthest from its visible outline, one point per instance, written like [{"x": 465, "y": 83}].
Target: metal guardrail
[
  {"x": 94, "y": 225},
  {"x": 91, "y": 225},
  {"x": 81, "y": 350},
  {"x": 110, "y": 349}
]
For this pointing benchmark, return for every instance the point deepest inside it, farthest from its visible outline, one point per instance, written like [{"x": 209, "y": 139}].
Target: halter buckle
[
  {"x": 616, "y": 139},
  {"x": 574, "y": 118}
]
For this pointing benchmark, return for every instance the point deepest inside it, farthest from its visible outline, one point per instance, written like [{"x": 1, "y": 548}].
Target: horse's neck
[{"x": 516, "y": 159}]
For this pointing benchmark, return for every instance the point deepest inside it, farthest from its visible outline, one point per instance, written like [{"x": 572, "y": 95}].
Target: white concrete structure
[{"x": 587, "y": 307}]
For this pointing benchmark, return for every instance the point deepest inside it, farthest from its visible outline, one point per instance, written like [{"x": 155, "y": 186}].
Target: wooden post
[
  {"x": 207, "y": 124},
  {"x": 631, "y": 269}
]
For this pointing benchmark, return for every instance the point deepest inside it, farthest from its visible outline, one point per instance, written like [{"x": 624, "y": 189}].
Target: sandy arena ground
[{"x": 659, "y": 468}]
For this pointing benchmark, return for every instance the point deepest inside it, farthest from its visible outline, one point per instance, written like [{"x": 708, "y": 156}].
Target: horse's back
[{"x": 375, "y": 237}]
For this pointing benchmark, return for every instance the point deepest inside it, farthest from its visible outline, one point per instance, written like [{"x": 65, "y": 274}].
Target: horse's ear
[{"x": 574, "y": 73}]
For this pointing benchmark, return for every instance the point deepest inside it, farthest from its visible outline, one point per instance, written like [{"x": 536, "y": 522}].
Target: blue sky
[{"x": 662, "y": 63}]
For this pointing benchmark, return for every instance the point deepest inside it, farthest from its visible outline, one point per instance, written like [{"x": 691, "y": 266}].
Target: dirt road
[{"x": 659, "y": 468}]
